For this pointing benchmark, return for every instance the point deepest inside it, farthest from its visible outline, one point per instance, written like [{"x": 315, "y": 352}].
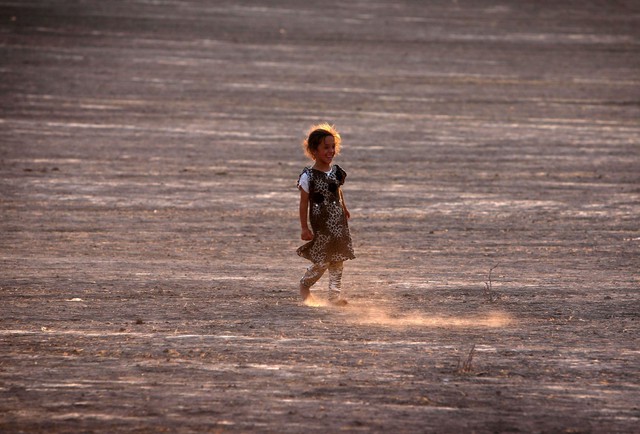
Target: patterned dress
[{"x": 331, "y": 237}]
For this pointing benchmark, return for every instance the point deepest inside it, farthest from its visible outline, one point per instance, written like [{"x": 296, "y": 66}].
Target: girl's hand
[
  {"x": 347, "y": 214},
  {"x": 307, "y": 235}
]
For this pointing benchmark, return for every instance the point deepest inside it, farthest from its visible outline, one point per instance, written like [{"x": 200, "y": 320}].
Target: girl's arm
[
  {"x": 347, "y": 214},
  {"x": 306, "y": 235}
]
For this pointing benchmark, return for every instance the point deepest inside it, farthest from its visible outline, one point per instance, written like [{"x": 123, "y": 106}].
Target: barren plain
[{"x": 149, "y": 154}]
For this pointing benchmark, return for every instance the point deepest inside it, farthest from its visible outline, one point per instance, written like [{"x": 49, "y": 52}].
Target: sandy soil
[{"x": 148, "y": 162}]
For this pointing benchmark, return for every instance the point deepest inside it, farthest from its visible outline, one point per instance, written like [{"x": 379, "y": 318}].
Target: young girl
[{"x": 322, "y": 202}]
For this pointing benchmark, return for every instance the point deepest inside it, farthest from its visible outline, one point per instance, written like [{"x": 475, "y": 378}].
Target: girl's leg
[
  {"x": 335, "y": 280},
  {"x": 313, "y": 274}
]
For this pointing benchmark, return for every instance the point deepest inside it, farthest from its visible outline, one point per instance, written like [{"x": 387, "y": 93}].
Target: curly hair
[{"x": 316, "y": 135}]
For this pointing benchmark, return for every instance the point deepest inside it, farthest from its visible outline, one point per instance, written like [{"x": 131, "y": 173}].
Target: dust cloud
[{"x": 388, "y": 317}]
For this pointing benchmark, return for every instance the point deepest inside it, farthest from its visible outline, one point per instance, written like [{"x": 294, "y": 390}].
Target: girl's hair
[{"x": 316, "y": 135}]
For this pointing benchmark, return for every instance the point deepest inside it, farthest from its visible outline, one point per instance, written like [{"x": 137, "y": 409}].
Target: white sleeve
[{"x": 304, "y": 182}]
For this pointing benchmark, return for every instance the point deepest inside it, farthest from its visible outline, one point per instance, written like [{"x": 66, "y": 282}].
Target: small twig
[
  {"x": 466, "y": 366},
  {"x": 488, "y": 290}
]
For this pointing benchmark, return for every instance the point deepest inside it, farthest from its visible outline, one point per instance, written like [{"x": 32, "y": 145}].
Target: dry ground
[{"x": 148, "y": 159}]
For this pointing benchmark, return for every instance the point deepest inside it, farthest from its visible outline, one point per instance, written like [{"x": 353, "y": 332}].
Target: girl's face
[{"x": 326, "y": 151}]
